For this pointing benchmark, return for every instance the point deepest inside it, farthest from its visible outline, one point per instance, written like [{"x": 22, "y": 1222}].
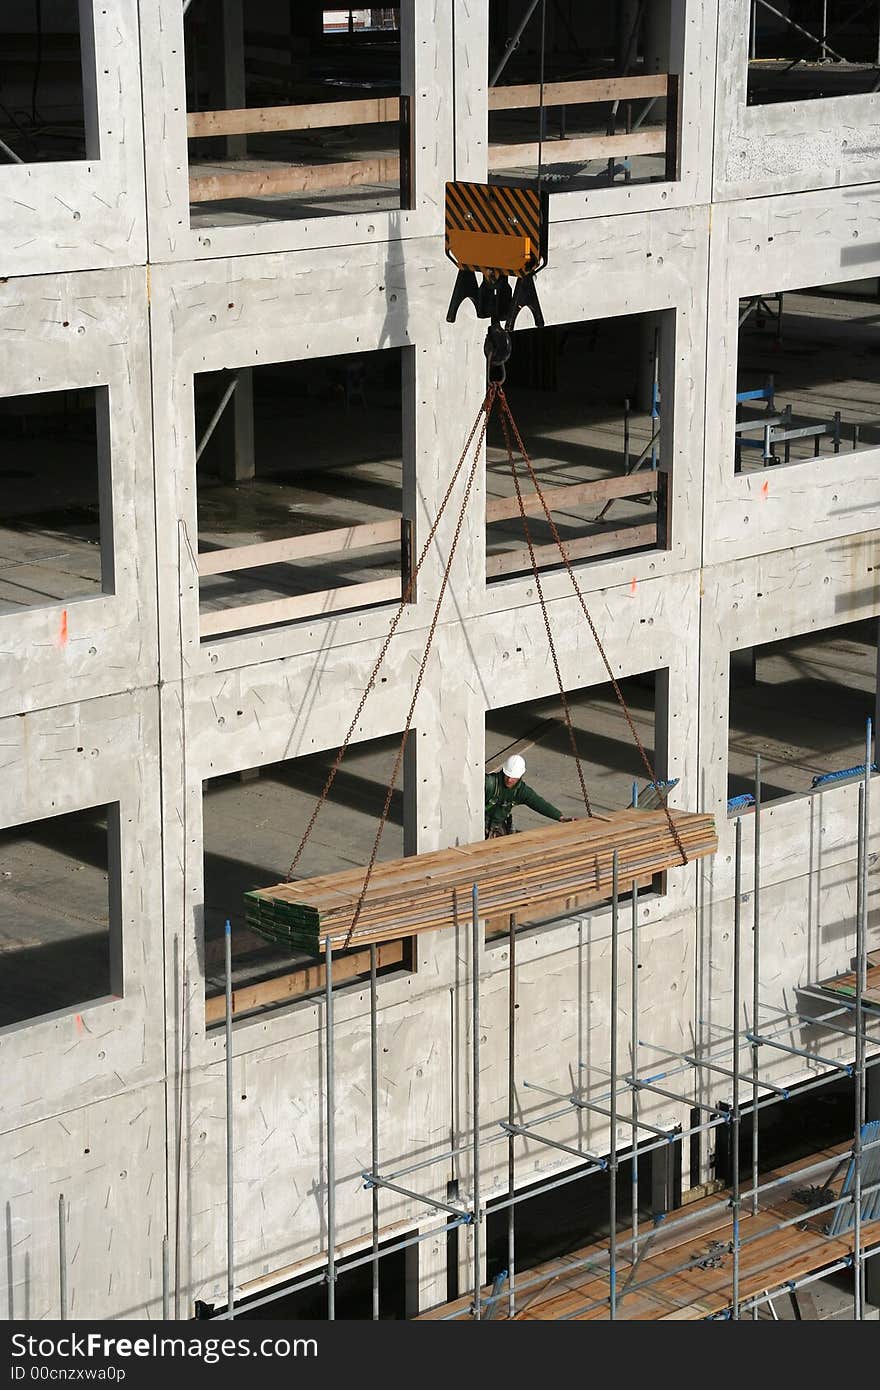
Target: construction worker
[{"x": 506, "y": 789}]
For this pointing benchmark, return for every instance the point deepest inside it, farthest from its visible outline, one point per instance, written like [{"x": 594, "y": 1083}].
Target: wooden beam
[
  {"x": 294, "y": 178},
  {"x": 288, "y": 610},
  {"x": 577, "y": 495},
  {"x": 579, "y": 93},
  {"x": 305, "y": 980},
  {"x": 246, "y": 557},
  {"x": 558, "y": 907},
  {"x": 430, "y": 892},
  {"x": 258, "y": 119},
  {"x": 579, "y": 151},
  {"x": 627, "y": 538}
]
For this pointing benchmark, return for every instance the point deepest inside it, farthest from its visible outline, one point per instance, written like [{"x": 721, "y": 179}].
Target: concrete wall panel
[
  {"x": 692, "y": 47},
  {"x": 83, "y": 214},
  {"x": 787, "y": 146},
  {"x": 107, "y": 1160},
  {"x": 91, "y": 754},
  {"x": 759, "y": 247},
  {"x": 280, "y": 1145},
  {"x": 58, "y": 333},
  {"x": 426, "y": 74}
]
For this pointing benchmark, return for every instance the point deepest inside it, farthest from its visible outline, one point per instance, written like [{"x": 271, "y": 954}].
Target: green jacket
[{"x": 501, "y": 799}]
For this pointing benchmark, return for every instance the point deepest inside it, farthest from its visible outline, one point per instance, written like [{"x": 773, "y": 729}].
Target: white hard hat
[{"x": 514, "y": 766}]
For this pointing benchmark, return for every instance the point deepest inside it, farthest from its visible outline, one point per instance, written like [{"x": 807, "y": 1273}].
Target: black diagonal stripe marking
[
  {"x": 515, "y": 208},
  {"x": 463, "y": 206},
  {"x": 483, "y": 212},
  {"x": 496, "y": 215},
  {"x": 457, "y": 206},
  {"x": 522, "y": 210},
  {"x": 458, "y": 209},
  {"x": 530, "y": 212}
]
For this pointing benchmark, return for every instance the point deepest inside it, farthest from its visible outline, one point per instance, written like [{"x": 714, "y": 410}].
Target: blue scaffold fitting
[
  {"x": 737, "y": 803},
  {"x": 651, "y": 794},
  {"x": 823, "y": 778}
]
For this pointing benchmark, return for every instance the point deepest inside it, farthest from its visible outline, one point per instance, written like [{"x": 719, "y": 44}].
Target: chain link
[
  {"x": 552, "y": 645},
  {"x": 652, "y": 776},
  {"x": 478, "y": 454},
  {"x": 482, "y": 415}
]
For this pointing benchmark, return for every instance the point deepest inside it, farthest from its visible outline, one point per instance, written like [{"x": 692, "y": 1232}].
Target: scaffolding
[{"x": 734, "y": 1053}]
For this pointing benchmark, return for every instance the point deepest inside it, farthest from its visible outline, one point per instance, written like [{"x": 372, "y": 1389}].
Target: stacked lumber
[
  {"x": 515, "y": 874},
  {"x": 847, "y": 985}
]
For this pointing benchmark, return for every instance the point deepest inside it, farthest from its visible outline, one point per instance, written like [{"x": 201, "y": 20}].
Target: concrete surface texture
[{"x": 155, "y": 768}]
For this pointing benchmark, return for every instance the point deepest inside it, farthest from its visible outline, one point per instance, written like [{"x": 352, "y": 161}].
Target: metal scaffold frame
[{"x": 619, "y": 1103}]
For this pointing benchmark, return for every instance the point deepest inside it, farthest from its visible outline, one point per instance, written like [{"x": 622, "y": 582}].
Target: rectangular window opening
[
  {"x": 294, "y": 111},
  {"x": 45, "y": 114},
  {"x": 300, "y": 486},
  {"x": 614, "y": 774},
  {"x": 812, "y": 49},
  {"x": 362, "y": 21},
  {"x": 266, "y": 809},
  {"x": 611, "y": 92},
  {"x": 56, "y": 535},
  {"x": 802, "y": 703},
  {"x": 592, "y": 414},
  {"x": 806, "y": 384},
  {"x": 60, "y": 918}
]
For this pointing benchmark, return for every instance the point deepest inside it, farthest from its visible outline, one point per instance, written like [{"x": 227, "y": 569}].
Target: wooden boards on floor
[{"x": 684, "y": 1268}]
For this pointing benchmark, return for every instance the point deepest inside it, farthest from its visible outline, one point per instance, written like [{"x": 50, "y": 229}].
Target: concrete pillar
[
  {"x": 743, "y": 668},
  {"x": 411, "y": 795},
  {"x": 307, "y": 18},
  {"x": 90, "y": 78},
  {"x": 650, "y": 347},
  {"x": 661, "y": 723},
  {"x": 235, "y": 433},
  {"x": 665, "y": 1179},
  {"x": 627, "y": 16},
  {"x": 105, "y": 491},
  {"x": 872, "y": 1112},
  {"x": 656, "y": 35},
  {"x": 426, "y": 1272},
  {"x": 877, "y": 692},
  {"x": 227, "y": 68}
]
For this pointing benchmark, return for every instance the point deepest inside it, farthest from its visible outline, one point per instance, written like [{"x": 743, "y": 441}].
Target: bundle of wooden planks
[{"x": 562, "y": 865}]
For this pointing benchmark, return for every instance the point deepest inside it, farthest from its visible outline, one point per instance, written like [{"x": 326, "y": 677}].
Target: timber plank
[
  {"x": 624, "y": 538},
  {"x": 575, "y": 495},
  {"x": 577, "y": 151},
  {"x": 254, "y": 120},
  {"x": 693, "y": 1293},
  {"x": 278, "y": 180},
  {"x": 583, "y": 93}
]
